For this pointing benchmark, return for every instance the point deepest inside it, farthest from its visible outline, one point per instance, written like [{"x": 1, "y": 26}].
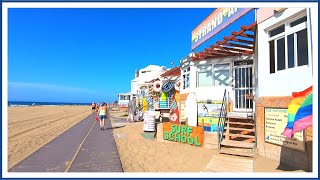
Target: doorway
[{"x": 243, "y": 86}]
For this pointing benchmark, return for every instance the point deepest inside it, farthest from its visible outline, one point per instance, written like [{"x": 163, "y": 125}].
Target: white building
[
  {"x": 224, "y": 67},
  {"x": 123, "y": 99},
  {"x": 141, "y": 78},
  {"x": 286, "y": 51},
  {"x": 145, "y": 75}
]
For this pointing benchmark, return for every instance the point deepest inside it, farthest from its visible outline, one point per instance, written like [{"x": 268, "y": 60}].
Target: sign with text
[
  {"x": 149, "y": 121},
  {"x": 275, "y": 121},
  {"x": 182, "y": 113},
  {"x": 217, "y": 21},
  {"x": 183, "y": 134},
  {"x": 209, "y": 113}
]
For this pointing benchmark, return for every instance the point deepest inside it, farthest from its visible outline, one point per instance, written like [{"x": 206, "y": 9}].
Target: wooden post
[
  {"x": 228, "y": 130},
  {"x": 186, "y": 121},
  {"x": 228, "y": 106}
]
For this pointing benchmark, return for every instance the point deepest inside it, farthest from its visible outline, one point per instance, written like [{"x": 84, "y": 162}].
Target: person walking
[
  {"x": 93, "y": 107},
  {"x": 102, "y": 111}
]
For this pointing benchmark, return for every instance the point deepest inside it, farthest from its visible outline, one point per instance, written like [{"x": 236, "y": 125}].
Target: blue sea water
[{"x": 29, "y": 103}]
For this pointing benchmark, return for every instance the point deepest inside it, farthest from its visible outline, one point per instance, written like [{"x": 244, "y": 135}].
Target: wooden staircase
[{"x": 238, "y": 135}]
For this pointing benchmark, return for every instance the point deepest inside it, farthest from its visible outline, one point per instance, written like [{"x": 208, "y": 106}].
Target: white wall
[
  {"x": 212, "y": 92},
  {"x": 281, "y": 83},
  {"x": 153, "y": 72},
  {"x": 315, "y": 32},
  {"x": 134, "y": 87}
]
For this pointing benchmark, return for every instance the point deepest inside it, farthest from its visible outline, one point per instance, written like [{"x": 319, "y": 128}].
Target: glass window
[
  {"x": 213, "y": 75},
  {"x": 221, "y": 75},
  {"x": 187, "y": 81},
  {"x": 291, "y": 48},
  {"x": 298, "y": 21},
  {"x": 302, "y": 47},
  {"x": 205, "y": 76},
  {"x": 205, "y": 79},
  {"x": 186, "y": 78},
  {"x": 281, "y": 63},
  {"x": 290, "y": 45},
  {"x": 272, "y": 59},
  {"x": 277, "y": 31}
]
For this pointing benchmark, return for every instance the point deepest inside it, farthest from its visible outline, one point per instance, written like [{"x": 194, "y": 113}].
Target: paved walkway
[{"x": 82, "y": 148}]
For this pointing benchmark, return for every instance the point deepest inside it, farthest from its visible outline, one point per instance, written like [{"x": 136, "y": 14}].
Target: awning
[
  {"x": 172, "y": 72},
  {"x": 239, "y": 43}
]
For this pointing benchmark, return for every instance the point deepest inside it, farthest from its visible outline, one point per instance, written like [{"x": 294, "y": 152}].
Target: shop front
[
  {"x": 284, "y": 54},
  {"x": 219, "y": 78}
]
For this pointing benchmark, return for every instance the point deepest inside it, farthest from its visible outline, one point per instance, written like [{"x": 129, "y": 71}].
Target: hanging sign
[
  {"x": 217, "y": 21},
  {"x": 167, "y": 86}
]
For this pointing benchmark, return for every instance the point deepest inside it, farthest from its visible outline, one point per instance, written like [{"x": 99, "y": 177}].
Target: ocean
[{"x": 30, "y": 103}]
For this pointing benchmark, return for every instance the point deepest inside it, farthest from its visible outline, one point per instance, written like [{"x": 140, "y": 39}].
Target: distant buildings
[
  {"x": 145, "y": 75},
  {"x": 142, "y": 77}
]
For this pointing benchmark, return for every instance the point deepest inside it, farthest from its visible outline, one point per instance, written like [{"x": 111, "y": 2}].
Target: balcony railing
[{"x": 163, "y": 104}]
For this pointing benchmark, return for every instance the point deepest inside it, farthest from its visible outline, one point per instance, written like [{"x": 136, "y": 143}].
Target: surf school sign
[
  {"x": 217, "y": 21},
  {"x": 183, "y": 134}
]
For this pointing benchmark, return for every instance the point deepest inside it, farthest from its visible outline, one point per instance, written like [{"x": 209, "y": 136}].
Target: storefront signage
[
  {"x": 183, "y": 134},
  {"x": 209, "y": 113},
  {"x": 149, "y": 121},
  {"x": 167, "y": 86},
  {"x": 275, "y": 122},
  {"x": 217, "y": 21}
]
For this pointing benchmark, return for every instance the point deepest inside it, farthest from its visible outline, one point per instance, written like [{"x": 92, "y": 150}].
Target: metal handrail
[{"x": 222, "y": 118}]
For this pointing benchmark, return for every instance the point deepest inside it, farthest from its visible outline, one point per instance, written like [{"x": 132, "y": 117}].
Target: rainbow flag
[{"x": 299, "y": 112}]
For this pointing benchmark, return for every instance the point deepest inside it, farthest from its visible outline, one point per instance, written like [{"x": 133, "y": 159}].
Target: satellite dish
[{"x": 172, "y": 63}]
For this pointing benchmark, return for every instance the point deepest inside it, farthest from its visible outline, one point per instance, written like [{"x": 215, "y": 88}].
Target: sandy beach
[
  {"x": 29, "y": 128},
  {"x": 138, "y": 154}
]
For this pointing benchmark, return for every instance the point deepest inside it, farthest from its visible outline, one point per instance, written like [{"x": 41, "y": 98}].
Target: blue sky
[{"x": 85, "y": 55}]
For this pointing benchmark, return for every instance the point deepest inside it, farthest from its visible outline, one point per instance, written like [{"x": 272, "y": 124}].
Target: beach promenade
[
  {"x": 123, "y": 148},
  {"x": 82, "y": 148}
]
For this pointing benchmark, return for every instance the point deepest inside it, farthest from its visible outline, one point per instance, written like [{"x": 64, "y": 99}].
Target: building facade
[{"x": 285, "y": 65}]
